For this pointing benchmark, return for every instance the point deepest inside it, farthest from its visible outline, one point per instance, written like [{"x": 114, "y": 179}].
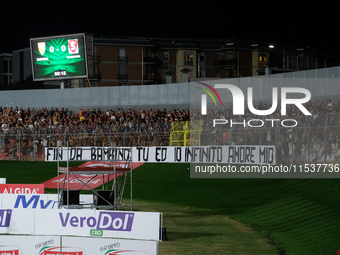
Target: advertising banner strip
[
  {"x": 17, "y": 221},
  {"x": 104, "y": 246},
  {"x": 85, "y": 222},
  {"x": 235, "y": 154},
  {"x": 21, "y": 245},
  {"x": 53, "y": 245},
  {"x": 36, "y": 201},
  {"x": 115, "y": 224},
  {"x": 22, "y": 188}
]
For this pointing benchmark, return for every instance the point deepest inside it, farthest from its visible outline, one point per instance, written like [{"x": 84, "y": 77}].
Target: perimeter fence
[{"x": 298, "y": 145}]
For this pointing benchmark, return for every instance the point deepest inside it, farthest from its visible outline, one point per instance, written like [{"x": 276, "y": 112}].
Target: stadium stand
[{"x": 24, "y": 133}]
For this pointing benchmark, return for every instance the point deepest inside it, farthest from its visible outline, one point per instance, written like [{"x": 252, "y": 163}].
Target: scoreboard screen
[{"x": 59, "y": 57}]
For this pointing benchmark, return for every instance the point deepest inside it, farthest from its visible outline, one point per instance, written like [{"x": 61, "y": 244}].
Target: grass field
[{"x": 226, "y": 216}]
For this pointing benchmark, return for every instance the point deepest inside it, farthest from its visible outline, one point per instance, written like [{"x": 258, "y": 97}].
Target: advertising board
[
  {"x": 55, "y": 245},
  {"x": 104, "y": 246},
  {"x": 87, "y": 223},
  {"x": 36, "y": 201},
  {"x": 22, "y": 188},
  {"x": 22, "y": 245},
  {"x": 17, "y": 221}
]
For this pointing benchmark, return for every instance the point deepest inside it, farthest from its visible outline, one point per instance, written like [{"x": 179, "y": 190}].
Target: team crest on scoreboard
[
  {"x": 42, "y": 48},
  {"x": 73, "y": 46}
]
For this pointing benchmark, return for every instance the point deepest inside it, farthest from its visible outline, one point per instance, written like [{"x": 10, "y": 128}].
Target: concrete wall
[
  {"x": 322, "y": 83},
  {"x": 152, "y": 96}
]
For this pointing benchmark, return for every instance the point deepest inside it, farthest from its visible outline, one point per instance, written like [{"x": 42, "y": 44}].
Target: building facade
[
  {"x": 6, "y": 72},
  {"x": 123, "y": 61},
  {"x": 127, "y": 61},
  {"x": 22, "y": 65}
]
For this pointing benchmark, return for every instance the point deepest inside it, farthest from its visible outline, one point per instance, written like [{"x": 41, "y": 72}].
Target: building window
[
  {"x": 5, "y": 79},
  {"x": 263, "y": 60},
  {"x": 218, "y": 73},
  {"x": 202, "y": 59},
  {"x": 166, "y": 55},
  {"x": 121, "y": 69},
  {"x": 121, "y": 51},
  {"x": 231, "y": 55},
  {"x": 218, "y": 56},
  {"x": 188, "y": 58},
  {"x": 202, "y": 73},
  {"x": 121, "y": 58},
  {"x": 5, "y": 66}
]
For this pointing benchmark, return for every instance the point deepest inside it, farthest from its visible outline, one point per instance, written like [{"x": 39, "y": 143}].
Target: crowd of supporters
[
  {"x": 313, "y": 137},
  {"x": 85, "y": 128},
  {"x": 60, "y": 121},
  {"x": 57, "y": 127}
]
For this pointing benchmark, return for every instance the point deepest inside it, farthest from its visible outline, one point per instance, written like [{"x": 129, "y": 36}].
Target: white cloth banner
[{"x": 240, "y": 154}]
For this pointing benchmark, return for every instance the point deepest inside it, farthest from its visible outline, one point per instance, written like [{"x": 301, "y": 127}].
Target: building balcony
[
  {"x": 290, "y": 64},
  {"x": 152, "y": 61},
  {"x": 188, "y": 62},
  {"x": 264, "y": 63},
  {"x": 122, "y": 77},
  {"x": 152, "y": 79},
  {"x": 225, "y": 63},
  {"x": 122, "y": 60}
]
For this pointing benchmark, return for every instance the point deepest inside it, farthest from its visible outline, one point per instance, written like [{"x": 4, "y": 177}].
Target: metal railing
[
  {"x": 298, "y": 145},
  {"x": 305, "y": 144},
  {"x": 31, "y": 147}
]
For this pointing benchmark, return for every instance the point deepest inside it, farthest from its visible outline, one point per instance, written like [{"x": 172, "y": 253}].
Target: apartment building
[
  {"x": 6, "y": 72},
  {"x": 123, "y": 61},
  {"x": 126, "y": 61}
]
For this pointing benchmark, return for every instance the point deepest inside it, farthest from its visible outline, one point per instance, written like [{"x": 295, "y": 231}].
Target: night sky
[{"x": 302, "y": 24}]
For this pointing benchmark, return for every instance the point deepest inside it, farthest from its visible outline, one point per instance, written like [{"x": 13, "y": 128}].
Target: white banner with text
[{"x": 233, "y": 154}]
